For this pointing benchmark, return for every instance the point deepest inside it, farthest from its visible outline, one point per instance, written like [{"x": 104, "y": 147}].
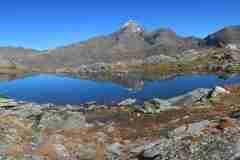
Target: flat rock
[
  {"x": 219, "y": 91},
  {"x": 188, "y": 99},
  {"x": 62, "y": 120},
  {"x": 193, "y": 129},
  {"x": 127, "y": 102}
]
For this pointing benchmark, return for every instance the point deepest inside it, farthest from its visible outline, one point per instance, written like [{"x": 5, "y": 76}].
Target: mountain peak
[{"x": 132, "y": 26}]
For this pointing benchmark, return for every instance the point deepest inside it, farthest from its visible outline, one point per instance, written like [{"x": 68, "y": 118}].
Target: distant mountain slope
[
  {"x": 166, "y": 41},
  {"x": 114, "y": 47},
  {"x": 228, "y": 35},
  {"x": 15, "y": 54},
  {"x": 131, "y": 41}
]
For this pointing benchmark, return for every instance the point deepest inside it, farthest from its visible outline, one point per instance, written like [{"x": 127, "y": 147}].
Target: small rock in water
[
  {"x": 127, "y": 102},
  {"x": 91, "y": 103}
]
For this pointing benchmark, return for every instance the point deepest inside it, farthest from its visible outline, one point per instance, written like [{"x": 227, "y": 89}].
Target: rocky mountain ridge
[{"x": 130, "y": 42}]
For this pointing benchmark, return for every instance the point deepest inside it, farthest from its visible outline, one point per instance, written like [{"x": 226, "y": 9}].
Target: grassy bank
[{"x": 12, "y": 69}]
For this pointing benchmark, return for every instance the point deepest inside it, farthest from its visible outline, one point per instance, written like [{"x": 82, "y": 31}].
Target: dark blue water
[{"x": 62, "y": 89}]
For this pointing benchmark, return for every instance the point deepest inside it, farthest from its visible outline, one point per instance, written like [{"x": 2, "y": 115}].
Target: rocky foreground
[{"x": 201, "y": 125}]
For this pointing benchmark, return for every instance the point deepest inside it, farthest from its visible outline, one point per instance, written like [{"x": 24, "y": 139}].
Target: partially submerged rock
[
  {"x": 157, "y": 105},
  {"x": 127, "y": 102},
  {"x": 191, "y": 98}
]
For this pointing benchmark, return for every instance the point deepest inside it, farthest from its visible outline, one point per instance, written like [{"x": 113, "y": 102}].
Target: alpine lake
[{"x": 62, "y": 89}]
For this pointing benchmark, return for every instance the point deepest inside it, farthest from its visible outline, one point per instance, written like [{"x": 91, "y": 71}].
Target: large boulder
[
  {"x": 127, "y": 102},
  {"x": 219, "y": 91},
  {"x": 191, "y": 98},
  {"x": 157, "y": 105},
  {"x": 194, "y": 129},
  {"x": 27, "y": 111},
  {"x": 62, "y": 120}
]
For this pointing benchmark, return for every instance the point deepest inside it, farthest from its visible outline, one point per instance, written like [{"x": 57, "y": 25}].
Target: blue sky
[{"x": 43, "y": 24}]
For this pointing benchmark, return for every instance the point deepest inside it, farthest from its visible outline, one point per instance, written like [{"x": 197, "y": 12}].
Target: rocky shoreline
[{"x": 203, "y": 124}]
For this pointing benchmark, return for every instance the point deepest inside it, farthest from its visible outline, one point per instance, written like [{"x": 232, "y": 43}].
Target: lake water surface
[{"x": 64, "y": 89}]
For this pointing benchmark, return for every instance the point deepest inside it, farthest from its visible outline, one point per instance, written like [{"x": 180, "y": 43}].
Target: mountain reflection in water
[{"x": 105, "y": 89}]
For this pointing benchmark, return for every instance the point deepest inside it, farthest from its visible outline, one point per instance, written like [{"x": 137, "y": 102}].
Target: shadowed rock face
[
  {"x": 228, "y": 35},
  {"x": 167, "y": 42},
  {"x": 162, "y": 37}
]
